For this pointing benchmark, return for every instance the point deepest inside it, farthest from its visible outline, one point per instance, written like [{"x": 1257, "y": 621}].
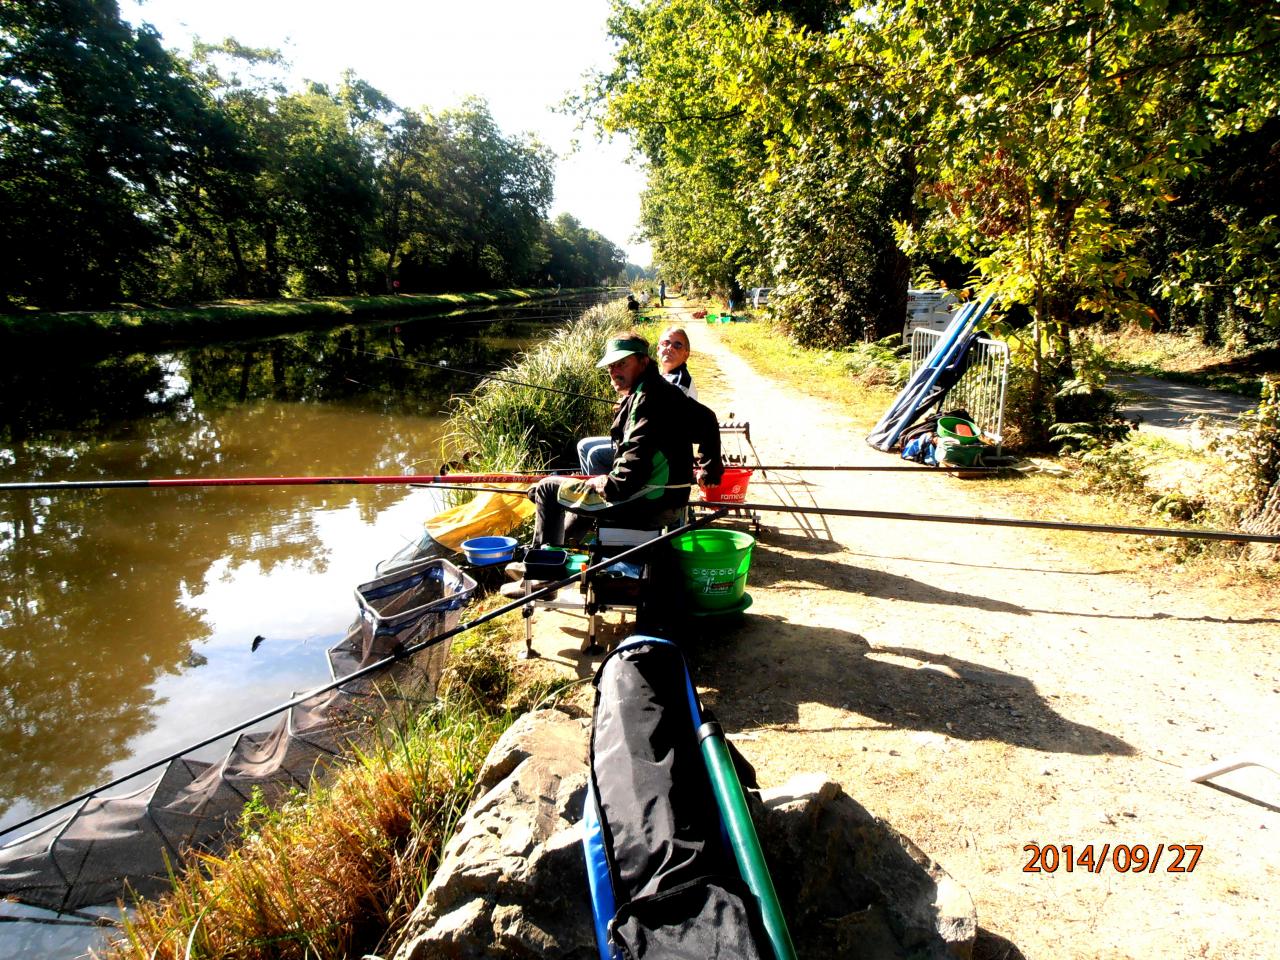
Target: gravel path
[
  {"x": 986, "y": 688},
  {"x": 1171, "y": 409}
]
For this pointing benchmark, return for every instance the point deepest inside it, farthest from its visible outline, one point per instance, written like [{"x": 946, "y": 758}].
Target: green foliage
[
  {"x": 503, "y": 425},
  {"x": 1252, "y": 454},
  {"x": 97, "y": 125},
  {"x": 578, "y": 256},
  {"x": 130, "y": 174},
  {"x": 1080, "y": 161},
  {"x": 1081, "y": 407}
]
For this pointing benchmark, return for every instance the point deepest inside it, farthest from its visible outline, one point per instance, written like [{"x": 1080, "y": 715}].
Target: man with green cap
[{"x": 653, "y": 457}]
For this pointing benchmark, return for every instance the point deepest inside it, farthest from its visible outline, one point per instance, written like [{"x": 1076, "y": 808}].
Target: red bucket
[{"x": 732, "y": 487}]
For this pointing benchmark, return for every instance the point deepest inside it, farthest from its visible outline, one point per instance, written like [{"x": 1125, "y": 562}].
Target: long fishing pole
[
  {"x": 526, "y": 476},
  {"x": 418, "y": 479},
  {"x": 373, "y": 667},
  {"x": 877, "y": 468},
  {"x": 442, "y": 365},
  {"x": 1179, "y": 532}
]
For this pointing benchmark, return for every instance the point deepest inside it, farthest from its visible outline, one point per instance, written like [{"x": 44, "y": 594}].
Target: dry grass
[
  {"x": 851, "y": 378},
  {"x": 1184, "y": 358}
]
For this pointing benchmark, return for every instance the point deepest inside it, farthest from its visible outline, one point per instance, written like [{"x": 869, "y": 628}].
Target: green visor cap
[{"x": 621, "y": 347}]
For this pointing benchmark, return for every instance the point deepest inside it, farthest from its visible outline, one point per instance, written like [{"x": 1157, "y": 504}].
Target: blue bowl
[{"x": 486, "y": 551}]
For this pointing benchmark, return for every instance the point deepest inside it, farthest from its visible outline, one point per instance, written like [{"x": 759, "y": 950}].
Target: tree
[
  {"x": 666, "y": 89},
  {"x": 578, "y": 256},
  {"x": 96, "y": 122},
  {"x": 1052, "y": 132}
]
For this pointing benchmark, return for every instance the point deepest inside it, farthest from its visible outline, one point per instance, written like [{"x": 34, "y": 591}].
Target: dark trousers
[{"x": 550, "y": 517}]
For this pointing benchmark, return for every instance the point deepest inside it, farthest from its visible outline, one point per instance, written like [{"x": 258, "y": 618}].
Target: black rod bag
[{"x": 663, "y": 879}]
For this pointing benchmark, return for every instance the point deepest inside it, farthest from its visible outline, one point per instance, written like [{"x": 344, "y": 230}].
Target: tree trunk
[{"x": 242, "y": 275}]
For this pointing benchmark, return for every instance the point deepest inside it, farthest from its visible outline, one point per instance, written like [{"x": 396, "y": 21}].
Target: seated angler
[
  {"x": 595, "y": 454},
  {"x": 652, "y": 467}
]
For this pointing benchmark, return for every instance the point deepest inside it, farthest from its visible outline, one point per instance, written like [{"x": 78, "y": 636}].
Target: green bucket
[
  {"x": 959, "y": 430},
  {"x": 714, "y": 564}
]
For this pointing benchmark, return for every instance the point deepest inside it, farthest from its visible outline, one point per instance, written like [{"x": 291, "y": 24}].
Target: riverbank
[{"x": 86, "y": 331}]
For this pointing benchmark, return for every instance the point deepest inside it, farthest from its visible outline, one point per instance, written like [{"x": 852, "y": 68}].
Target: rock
[{"x": 512, "y": 883}]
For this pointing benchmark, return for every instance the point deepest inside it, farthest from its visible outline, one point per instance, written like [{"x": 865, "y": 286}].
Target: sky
[{"x": 522, "y": 56}]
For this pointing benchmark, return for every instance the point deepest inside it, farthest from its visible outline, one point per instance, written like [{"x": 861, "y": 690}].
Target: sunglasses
[{"x": 678, "y": 345}]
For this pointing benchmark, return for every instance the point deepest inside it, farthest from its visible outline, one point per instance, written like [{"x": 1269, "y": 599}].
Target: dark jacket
[
  {"x": 651, "y": 444},
  {"x": 680, "y": 377}
]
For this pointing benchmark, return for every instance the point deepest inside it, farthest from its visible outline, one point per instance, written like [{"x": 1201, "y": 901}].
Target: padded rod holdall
[{"x": 664, "y": 879}]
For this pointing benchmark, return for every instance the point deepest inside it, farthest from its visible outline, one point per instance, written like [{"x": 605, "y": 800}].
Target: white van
[{"x": 929, "y": 308}]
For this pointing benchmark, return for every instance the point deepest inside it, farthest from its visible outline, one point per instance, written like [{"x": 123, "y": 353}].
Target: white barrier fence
[{"x": 981, "y": 389}]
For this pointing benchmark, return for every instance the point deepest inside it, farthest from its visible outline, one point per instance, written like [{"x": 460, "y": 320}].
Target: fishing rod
[
  {"x": 525, "y": 476},
  {"x": 401, "y": 654},
  {"x": 1181, "y": 533},
  {"x": 444, "y": 365},
  {"x": 412, "y": 479},
  {"x": 878, "y": 468}
]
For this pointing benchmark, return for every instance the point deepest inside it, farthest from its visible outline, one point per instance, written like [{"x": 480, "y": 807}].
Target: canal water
[{"x": 128, "y": 617}]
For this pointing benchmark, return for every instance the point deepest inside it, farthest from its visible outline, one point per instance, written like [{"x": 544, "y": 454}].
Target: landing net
[{"x": 88, "y": 857}]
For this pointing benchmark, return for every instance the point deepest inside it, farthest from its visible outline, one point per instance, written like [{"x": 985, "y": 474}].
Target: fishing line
[
  {"x": 943, "y": 468},
  {"x": 483, "y": 376}
]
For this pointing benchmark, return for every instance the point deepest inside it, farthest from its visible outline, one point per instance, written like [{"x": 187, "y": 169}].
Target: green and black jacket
[{"x": 652, "y": 458}]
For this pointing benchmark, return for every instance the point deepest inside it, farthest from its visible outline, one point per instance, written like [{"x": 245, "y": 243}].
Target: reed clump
[
  {"x": 505, "y": 426},
  {"x": 336, "y": 872}
]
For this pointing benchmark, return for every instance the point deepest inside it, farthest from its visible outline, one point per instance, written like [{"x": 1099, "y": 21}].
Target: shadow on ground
[
  {"x": 770, "y": 567},
  {"x": 759, "y": 673},
  {"x": 992, "y": 946}
]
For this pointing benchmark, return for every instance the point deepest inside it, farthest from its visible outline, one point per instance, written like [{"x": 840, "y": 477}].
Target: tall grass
[
  {"x": 505, "y": 426},
  {"x": 335, "y": 873}
]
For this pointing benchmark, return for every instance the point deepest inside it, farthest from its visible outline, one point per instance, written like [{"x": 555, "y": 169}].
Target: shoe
[
  {"x": 539, "y": 584},
  {"x": 518, "y": 589}
]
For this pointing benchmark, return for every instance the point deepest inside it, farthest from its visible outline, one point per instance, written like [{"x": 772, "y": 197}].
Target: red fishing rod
[
  {"x": 457, "y": 478},
  {"x": 528, "y": 476}
]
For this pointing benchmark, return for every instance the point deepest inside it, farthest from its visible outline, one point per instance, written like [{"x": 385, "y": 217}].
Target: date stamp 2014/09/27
[{"x": 1120, "y": 857}]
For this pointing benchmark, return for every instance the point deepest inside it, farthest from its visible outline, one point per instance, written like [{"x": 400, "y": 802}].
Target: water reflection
[{"x": 126, "y": 616}]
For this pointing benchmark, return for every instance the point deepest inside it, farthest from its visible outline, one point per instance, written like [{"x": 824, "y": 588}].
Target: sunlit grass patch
[
  {"x": 1186, "y": 359},
  {"x": 841, "y": 375}
]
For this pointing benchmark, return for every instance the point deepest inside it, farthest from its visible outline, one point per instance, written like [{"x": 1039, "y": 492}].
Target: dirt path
[
  {"x": 982, "y": 689},
  {"x": 1170, "y": 409}
]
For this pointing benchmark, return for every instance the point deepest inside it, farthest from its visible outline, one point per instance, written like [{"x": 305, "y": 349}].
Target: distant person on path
[
  {"x": 662, "y": 293},
  {"x": 652, "y": 469}
]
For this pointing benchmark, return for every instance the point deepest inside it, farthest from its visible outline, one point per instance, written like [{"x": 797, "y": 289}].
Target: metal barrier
[{"x": 981, "y": 389}]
